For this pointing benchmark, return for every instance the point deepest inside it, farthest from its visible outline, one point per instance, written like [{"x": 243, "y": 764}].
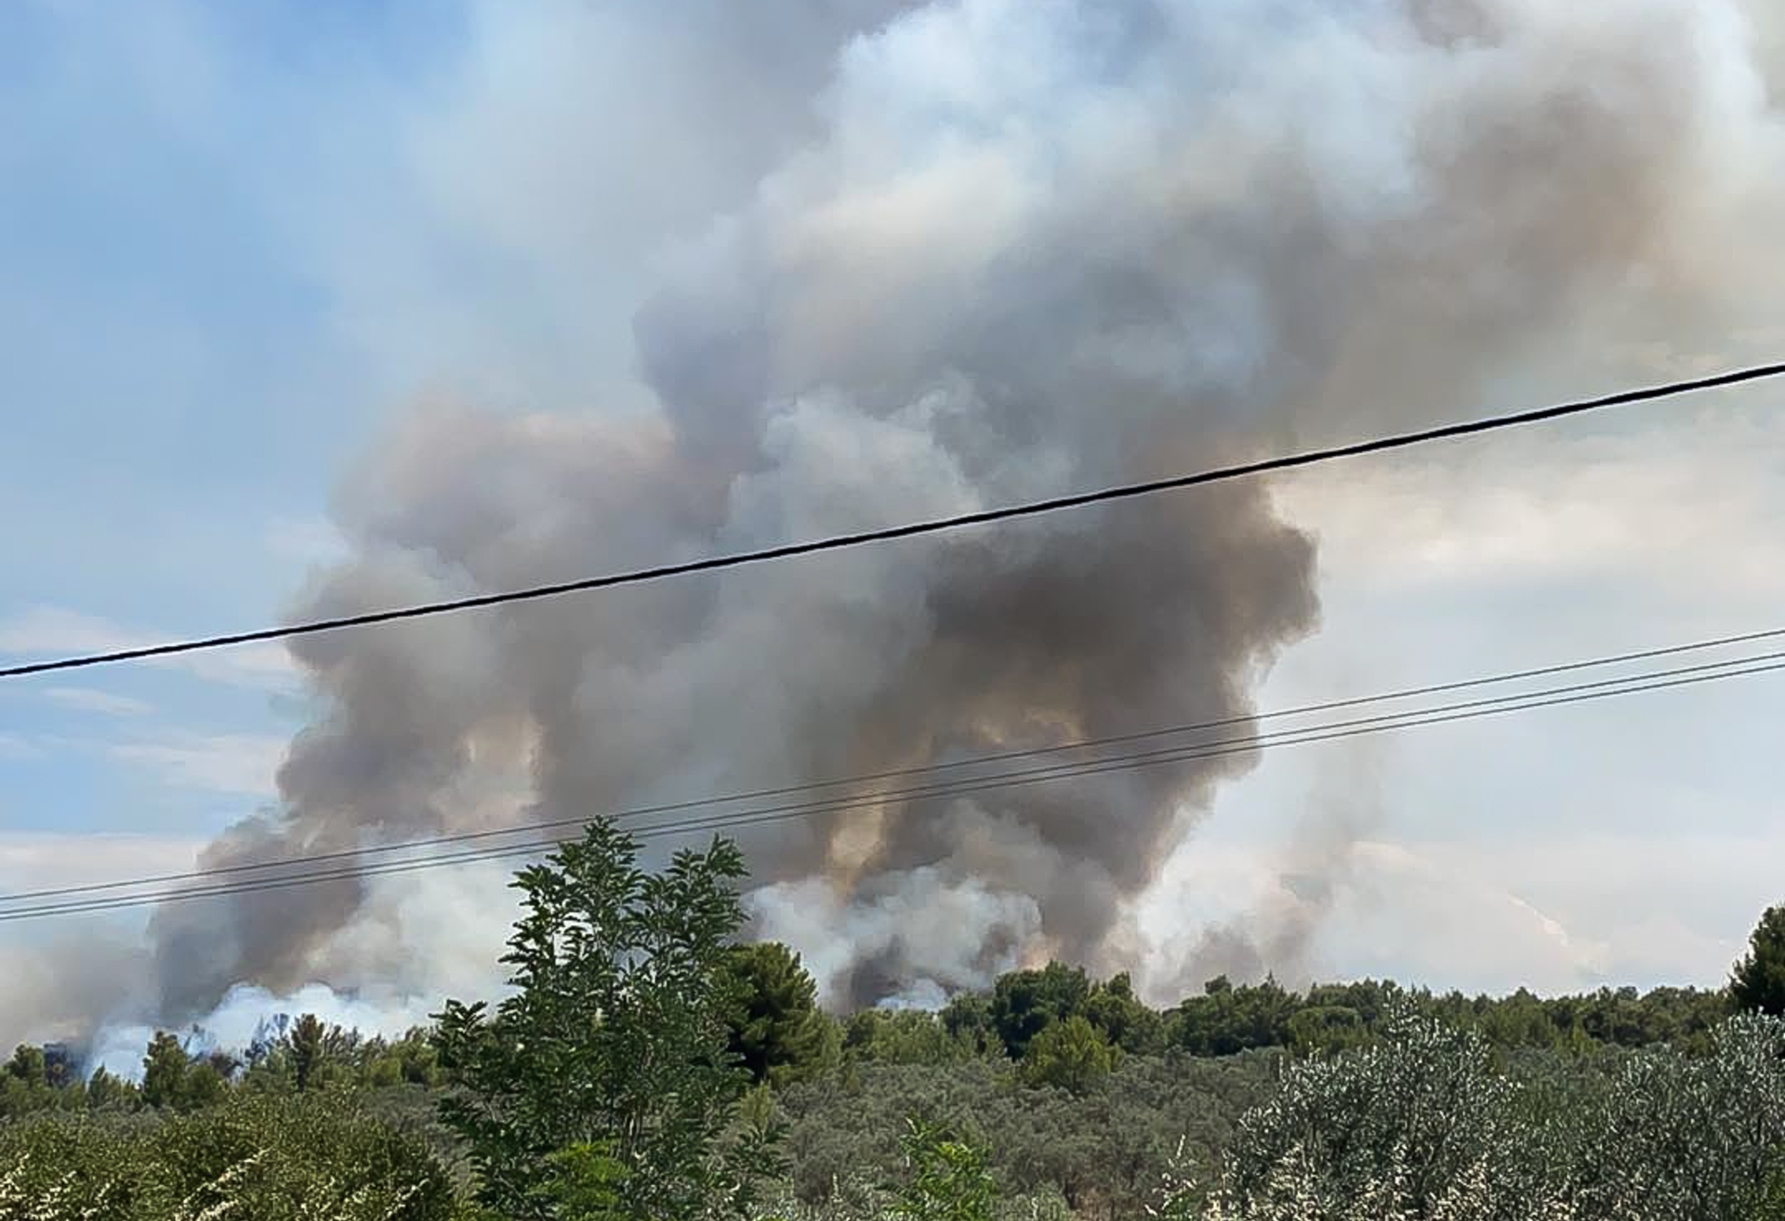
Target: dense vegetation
[{"x": 647, "y": 1066}]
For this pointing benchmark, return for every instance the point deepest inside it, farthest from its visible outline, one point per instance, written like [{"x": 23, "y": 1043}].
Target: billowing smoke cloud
[{"x": 1018, "y": 247}]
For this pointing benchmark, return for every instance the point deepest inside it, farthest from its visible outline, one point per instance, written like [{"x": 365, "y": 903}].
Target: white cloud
[
  {"x": 310, "y": 541},
  {"x": 239, "y": 764},
  {"x": 43, "y": 860},
  {"x": 47, "y": 632},
  {"x": 12, "y": 746},
  {"x": 1524, "y": 511},
  {"x": 91, "y": 699}
]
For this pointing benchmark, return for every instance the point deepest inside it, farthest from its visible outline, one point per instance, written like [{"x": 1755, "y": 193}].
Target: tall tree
[
  {"x": 108, "y": 1092},
  {"x": 1758, "y": 983},
  {"x": 613, "y": 1046},
  {"x": 1072, "y": 1055},
  {"x": 968, "y": 1020},
  {"x": 164, "y": 1071},
  {"x": 310, "y": 1047},
  {"x": 777, "y": 1028},
  {"x": 1123, "y": 1019},
  {"x": 1024, "y": 1003},
  {"x": 28, "y": 1065}
]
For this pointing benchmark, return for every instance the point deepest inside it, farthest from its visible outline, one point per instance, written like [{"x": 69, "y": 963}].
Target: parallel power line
[
  {"x": 931, "y": 769},
  {"x": 912, "y": 529},
  {"x": 1240, "y": 744}
]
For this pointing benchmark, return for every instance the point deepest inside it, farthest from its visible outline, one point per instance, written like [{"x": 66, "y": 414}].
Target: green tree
[
  {"x": 1226, "y": 1020},
  {"x": 203, "y": 1086},
  {"x": 947, "y": 1177},
  {"x": 614, "y": 1038},
  {"x": 108, "y": 1092},
  {"x": 312, "y": 1048},
  {"x": 900, "y": 1036},
  {"x": 1758, "y": 983},
  {"x": 967, "y": 1018},
  {"x": 412, "y": 1059},
  {"x": 1124, "y": 1020},
  {"x": 253, "y": 1158},
  {"x": 1072, "y": 1055},
  {"x": 1024, "y": 1003},
  {"x": 164, "y": 1071},
  {"x": 584, "y": 1184},
  {"x": 1687, "y": 1137},
  {"x": 1420, "y": 1125},
  {"x": 1326, "y": 1028},
  {"x": 28, "y": 1065},
  {"x": 777, "y": 1028},
  {"x": 25, "y": 1084}
]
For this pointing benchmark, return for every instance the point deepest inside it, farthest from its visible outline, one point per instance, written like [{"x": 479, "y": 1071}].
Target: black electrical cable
[
  {"x": 1578, "y": 693},
  {"x": 890, "y": 533},
  {"x": 930, "y": 769}
]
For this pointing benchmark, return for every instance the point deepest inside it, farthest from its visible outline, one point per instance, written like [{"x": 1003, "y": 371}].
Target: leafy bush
[
  {"x": 255, "y": 1157},
  {"x": 1421, "y": 1125},
  {"x": 1101, "y": 1151},
  {"x": 1681, "y": 1138},
  {"x": 1425, "y": 1125},
  {"x": 946, "y": 1177}
]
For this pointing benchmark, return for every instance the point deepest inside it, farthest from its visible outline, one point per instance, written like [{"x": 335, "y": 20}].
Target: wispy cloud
[
  {"x": 1606, "y": 506},
  {"x": 46, "y": 859},
  {"x": 306, "y": 541},
  {"x": 14, "y": 747},
  {"x": 91, "y": 699},
  {"x": 50, "y": 631},
  {"x": 234, "y": 764}
]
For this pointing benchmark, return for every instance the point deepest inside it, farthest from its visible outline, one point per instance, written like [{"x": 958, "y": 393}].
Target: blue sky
[
  {"x": 171, "y": 370},
  {"x": 237, "y": 239},
  {"x": 176, "y": 397}
]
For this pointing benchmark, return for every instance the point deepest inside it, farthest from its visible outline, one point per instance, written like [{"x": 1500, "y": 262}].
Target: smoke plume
[{"x": 1017, "y": 247}]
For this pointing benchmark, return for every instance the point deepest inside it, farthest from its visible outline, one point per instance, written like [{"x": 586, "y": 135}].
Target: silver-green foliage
[
  {"x": 252, "y": 1159},
  {"x": 1424, "y": 1127},
  {"x": 1691, "y": 1138},
  {"x": 1418, "y": 1125}
]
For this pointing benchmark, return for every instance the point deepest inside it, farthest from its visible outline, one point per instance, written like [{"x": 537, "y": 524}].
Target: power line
[
  {"x": 981, "y": 760},
  {"x": 1469, "y": 710},
  {"x": 890, "y": 533}
]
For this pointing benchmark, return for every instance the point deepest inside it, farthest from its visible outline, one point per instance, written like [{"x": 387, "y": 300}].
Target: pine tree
[
  {"x": 777, "y": 1028},
  {"x": 164, "y": 1071},
  {"x": 1758, "y": 983}
]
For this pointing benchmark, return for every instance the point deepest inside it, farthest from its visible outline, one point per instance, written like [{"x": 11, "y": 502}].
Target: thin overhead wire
[
  {"x": 890, "y": 533},
  {"x": 1443, "y": 714},
  {"x": 954, "y": 765}
]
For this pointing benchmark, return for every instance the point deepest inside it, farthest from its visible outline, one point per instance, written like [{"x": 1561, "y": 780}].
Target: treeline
[
  {"x": 1056, "y": 1023},
  {"x": 646, "y": 1065},
  {"x": 305, "y": 1055},
  {"x": 1036, "y": 1014}
]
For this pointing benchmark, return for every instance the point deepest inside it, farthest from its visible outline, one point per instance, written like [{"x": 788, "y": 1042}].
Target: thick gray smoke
[{"x": 1021, "y": 247}]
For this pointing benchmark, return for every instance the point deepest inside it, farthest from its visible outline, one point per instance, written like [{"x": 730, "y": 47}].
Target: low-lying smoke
[{"x": 1025, "y": 246}]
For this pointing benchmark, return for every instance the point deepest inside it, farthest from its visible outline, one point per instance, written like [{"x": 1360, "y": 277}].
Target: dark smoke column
[{"x": 1033, "y": 248}]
